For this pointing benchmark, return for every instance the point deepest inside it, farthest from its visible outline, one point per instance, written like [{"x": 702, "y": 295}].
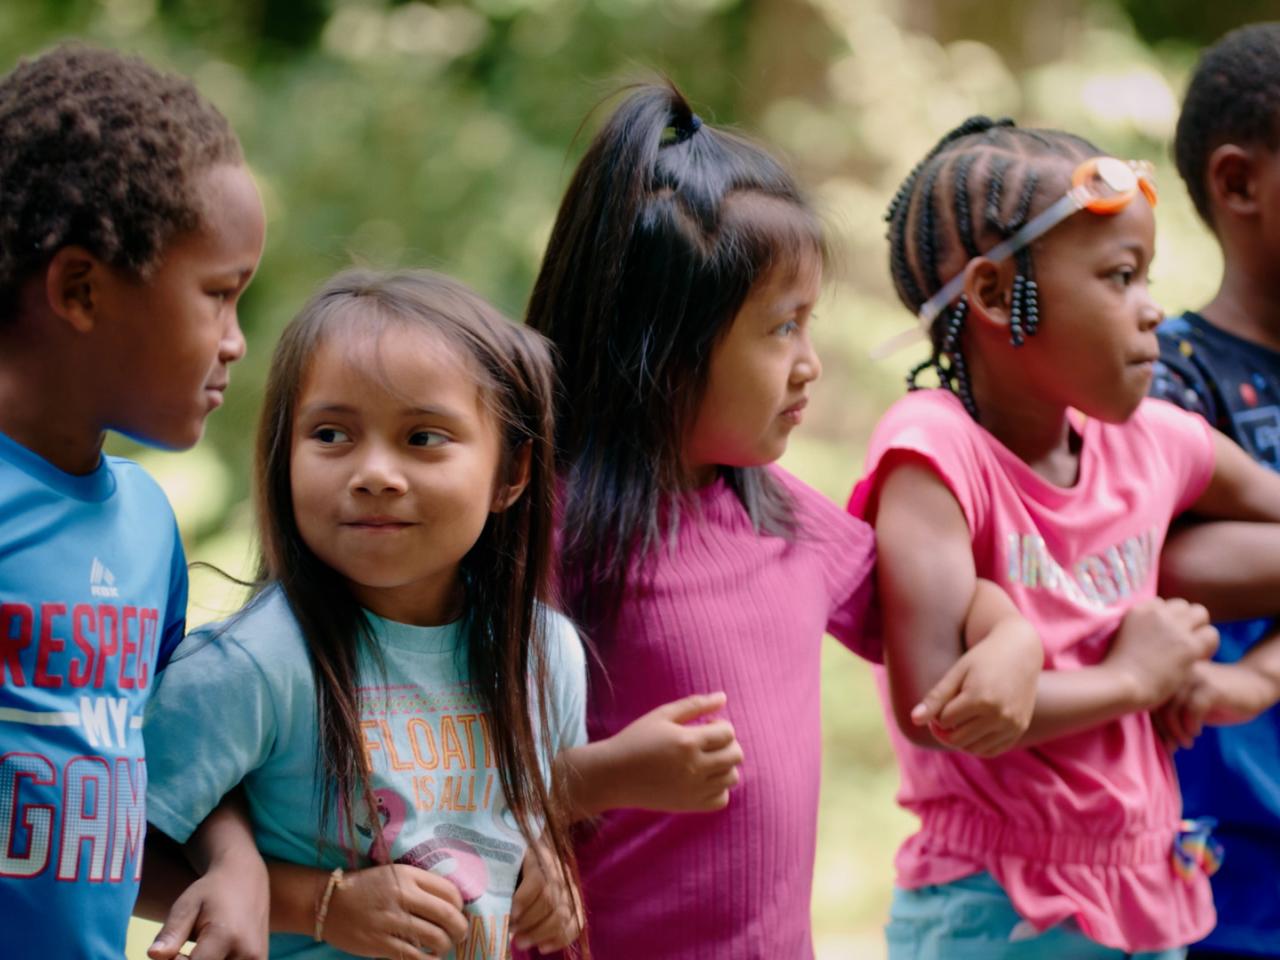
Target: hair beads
[{"x": 955, "y": 201}]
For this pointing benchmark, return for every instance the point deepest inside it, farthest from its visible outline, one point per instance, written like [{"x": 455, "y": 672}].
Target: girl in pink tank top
[{"x": 1039, "y": 465}]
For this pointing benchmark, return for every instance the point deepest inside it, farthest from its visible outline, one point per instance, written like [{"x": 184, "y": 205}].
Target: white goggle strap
[{"x": 1039, "y": 225}]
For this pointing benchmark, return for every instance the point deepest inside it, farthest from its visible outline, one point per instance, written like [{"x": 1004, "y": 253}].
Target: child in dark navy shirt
[{"x": 1223, "y": 362}]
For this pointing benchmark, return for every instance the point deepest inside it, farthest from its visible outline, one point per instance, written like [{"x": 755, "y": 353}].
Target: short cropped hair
[
  {"x": 101, "y": 150},
  {"x": 1233, "y": 97}
]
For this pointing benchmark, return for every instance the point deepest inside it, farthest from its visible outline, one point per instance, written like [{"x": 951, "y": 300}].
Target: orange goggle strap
[{"x": 1122, "y": 179}]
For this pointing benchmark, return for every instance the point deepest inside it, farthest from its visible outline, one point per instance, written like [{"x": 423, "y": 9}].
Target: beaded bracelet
[{"x": 322, "y": 910}]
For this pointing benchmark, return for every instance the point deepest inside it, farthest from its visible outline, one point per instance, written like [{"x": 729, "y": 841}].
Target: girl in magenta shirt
[
  {"x": 677, "y": 288},
  {"x": 1041, "y": 467}
]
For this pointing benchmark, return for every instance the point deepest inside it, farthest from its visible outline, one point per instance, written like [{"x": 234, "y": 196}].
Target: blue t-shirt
[
  {"x": 237, "y": 703},
  {"x": 93, "y": 594},
  {"x": 1233, "y": 773}
]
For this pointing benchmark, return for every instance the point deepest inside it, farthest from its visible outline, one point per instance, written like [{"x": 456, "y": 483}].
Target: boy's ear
[
  {"x": 521, "y": 468},
  {"x": 70, "y": 282},
  {"x": 1231, "y": 180},
  {"x": 989, "y": 289}
]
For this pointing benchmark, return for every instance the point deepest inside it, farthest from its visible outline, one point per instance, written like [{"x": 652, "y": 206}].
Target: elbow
[
  {"x": 917, "y": 735},
  {"x": 921, "y": 737}
]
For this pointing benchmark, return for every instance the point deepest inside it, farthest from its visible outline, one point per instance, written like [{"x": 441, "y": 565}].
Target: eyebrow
[
  {"x": 788, "y": 308},
  {"x": 1127, "y": 246},
  {"x": 348, "y": 410},
  {"x": 241, "y": 274}
]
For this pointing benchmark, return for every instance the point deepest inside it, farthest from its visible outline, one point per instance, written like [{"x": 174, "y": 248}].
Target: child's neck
[
  {"x": 1035, "y": 428},
  {"x": 1246, "y": 307},
  {"x": 433, "y": 602},
  {"x": 1040, "y": 435},
  {"x": 40, "y": 409}
]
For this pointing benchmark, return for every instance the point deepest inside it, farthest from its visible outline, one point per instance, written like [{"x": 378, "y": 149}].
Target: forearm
[
  {"x": 213, "y": 889},
  {"x": 224, "y": 841},
  {"x": 1069, "y": 701},
  {"x": 1239, "y": 488},
  {"x": 920, "y": 652},
  {"x": 1264, "y": 660},
  {"x": 225, "y": 837},
  {"x": 904, "y": 698},
  {"x": 991, "y": 606},
  {"x": 1233, "y": 569},
  {"x": 592, "y": 776},
  {"x": 296, "y": 892},
  {"x": 165, "y": 874},
  {"x": 927, "y": 588}
]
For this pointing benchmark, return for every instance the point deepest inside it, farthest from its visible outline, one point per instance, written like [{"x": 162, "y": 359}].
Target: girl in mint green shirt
[{"x": 392, "y": 695}]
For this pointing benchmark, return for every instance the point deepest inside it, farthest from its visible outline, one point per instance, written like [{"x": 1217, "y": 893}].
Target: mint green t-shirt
[{"x": 237, "y": 703}]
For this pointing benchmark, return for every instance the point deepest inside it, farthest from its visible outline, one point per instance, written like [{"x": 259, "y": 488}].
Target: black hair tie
[
  {"x": 686, "y": 132},
  {"x": 678, "y": 130}
]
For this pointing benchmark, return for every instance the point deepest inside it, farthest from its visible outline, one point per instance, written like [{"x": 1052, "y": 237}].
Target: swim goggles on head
[{"x": 1102, "y": 185}]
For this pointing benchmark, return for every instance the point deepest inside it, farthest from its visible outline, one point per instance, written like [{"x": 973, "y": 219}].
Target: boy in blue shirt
[
  {"x": 129, "y": 226},
  {"x": 1223, "y": 362}
]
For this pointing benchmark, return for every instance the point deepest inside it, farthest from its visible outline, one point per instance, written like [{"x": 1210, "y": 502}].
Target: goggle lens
[{"x": 1106, "y": 185}]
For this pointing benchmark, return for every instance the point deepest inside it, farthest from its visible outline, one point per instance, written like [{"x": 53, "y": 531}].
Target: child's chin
[
  {"x": 775, "y": 451},
  {"x": 758, "y": 458},
  {"x": 168, "y": 438},
  {"x": 1117, "y": 412}
]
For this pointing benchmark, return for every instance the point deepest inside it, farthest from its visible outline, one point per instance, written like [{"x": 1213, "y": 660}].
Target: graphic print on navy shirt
[{"x": 1232, "y": 383}]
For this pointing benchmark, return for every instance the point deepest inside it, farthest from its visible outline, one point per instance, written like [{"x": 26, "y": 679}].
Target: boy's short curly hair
[
  {"x": 100, "y": 150},
  {"x": 1233, "y": 97}
]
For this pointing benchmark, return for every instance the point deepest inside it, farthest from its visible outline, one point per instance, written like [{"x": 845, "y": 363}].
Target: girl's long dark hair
[
  {"x": 665, "y": 228},
  {"x": 506, "y": 575}
]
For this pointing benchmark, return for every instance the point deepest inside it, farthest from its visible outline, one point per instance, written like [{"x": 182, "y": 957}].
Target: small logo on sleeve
[{"x": 102, "y": 582}]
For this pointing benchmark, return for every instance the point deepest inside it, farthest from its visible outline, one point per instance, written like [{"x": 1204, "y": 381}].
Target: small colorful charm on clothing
[{"x": 1195, "y": 850}]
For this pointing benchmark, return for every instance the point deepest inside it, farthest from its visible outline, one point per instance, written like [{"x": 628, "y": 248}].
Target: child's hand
[
  {"x": 984, "y": 703},
  {"x": 546, "y": 912},
  {"x": 669, "y": 763},
  {"x": 395, "y": 910},
  {"x": 225, "y": 912},
  {"x": 1218, "y": 695},
  {"x": 1158, "y": 643}
]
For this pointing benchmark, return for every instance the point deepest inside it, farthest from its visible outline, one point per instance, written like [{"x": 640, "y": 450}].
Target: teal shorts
[{"x": 972, "y": 919}]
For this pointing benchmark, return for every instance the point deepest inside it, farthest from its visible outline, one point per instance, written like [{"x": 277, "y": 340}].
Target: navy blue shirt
[{"x": 1233, "y": 773}]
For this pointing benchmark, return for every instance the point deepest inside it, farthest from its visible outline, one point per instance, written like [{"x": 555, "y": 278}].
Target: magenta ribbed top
[{"x": 727, "y": 609}]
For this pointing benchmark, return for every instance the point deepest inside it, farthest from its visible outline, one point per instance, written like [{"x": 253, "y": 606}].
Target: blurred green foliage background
[{"x": 399, "y": 132}]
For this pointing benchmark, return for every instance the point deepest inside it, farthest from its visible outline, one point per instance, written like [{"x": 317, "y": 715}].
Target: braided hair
[{"x": 979, "y": 184}]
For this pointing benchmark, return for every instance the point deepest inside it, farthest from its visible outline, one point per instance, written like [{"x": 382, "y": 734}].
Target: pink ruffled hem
[{"x": 1123, "y": 891}]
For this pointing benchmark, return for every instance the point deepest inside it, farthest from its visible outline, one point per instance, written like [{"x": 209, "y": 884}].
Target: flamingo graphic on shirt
[{"x": 452, "y": 851}]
